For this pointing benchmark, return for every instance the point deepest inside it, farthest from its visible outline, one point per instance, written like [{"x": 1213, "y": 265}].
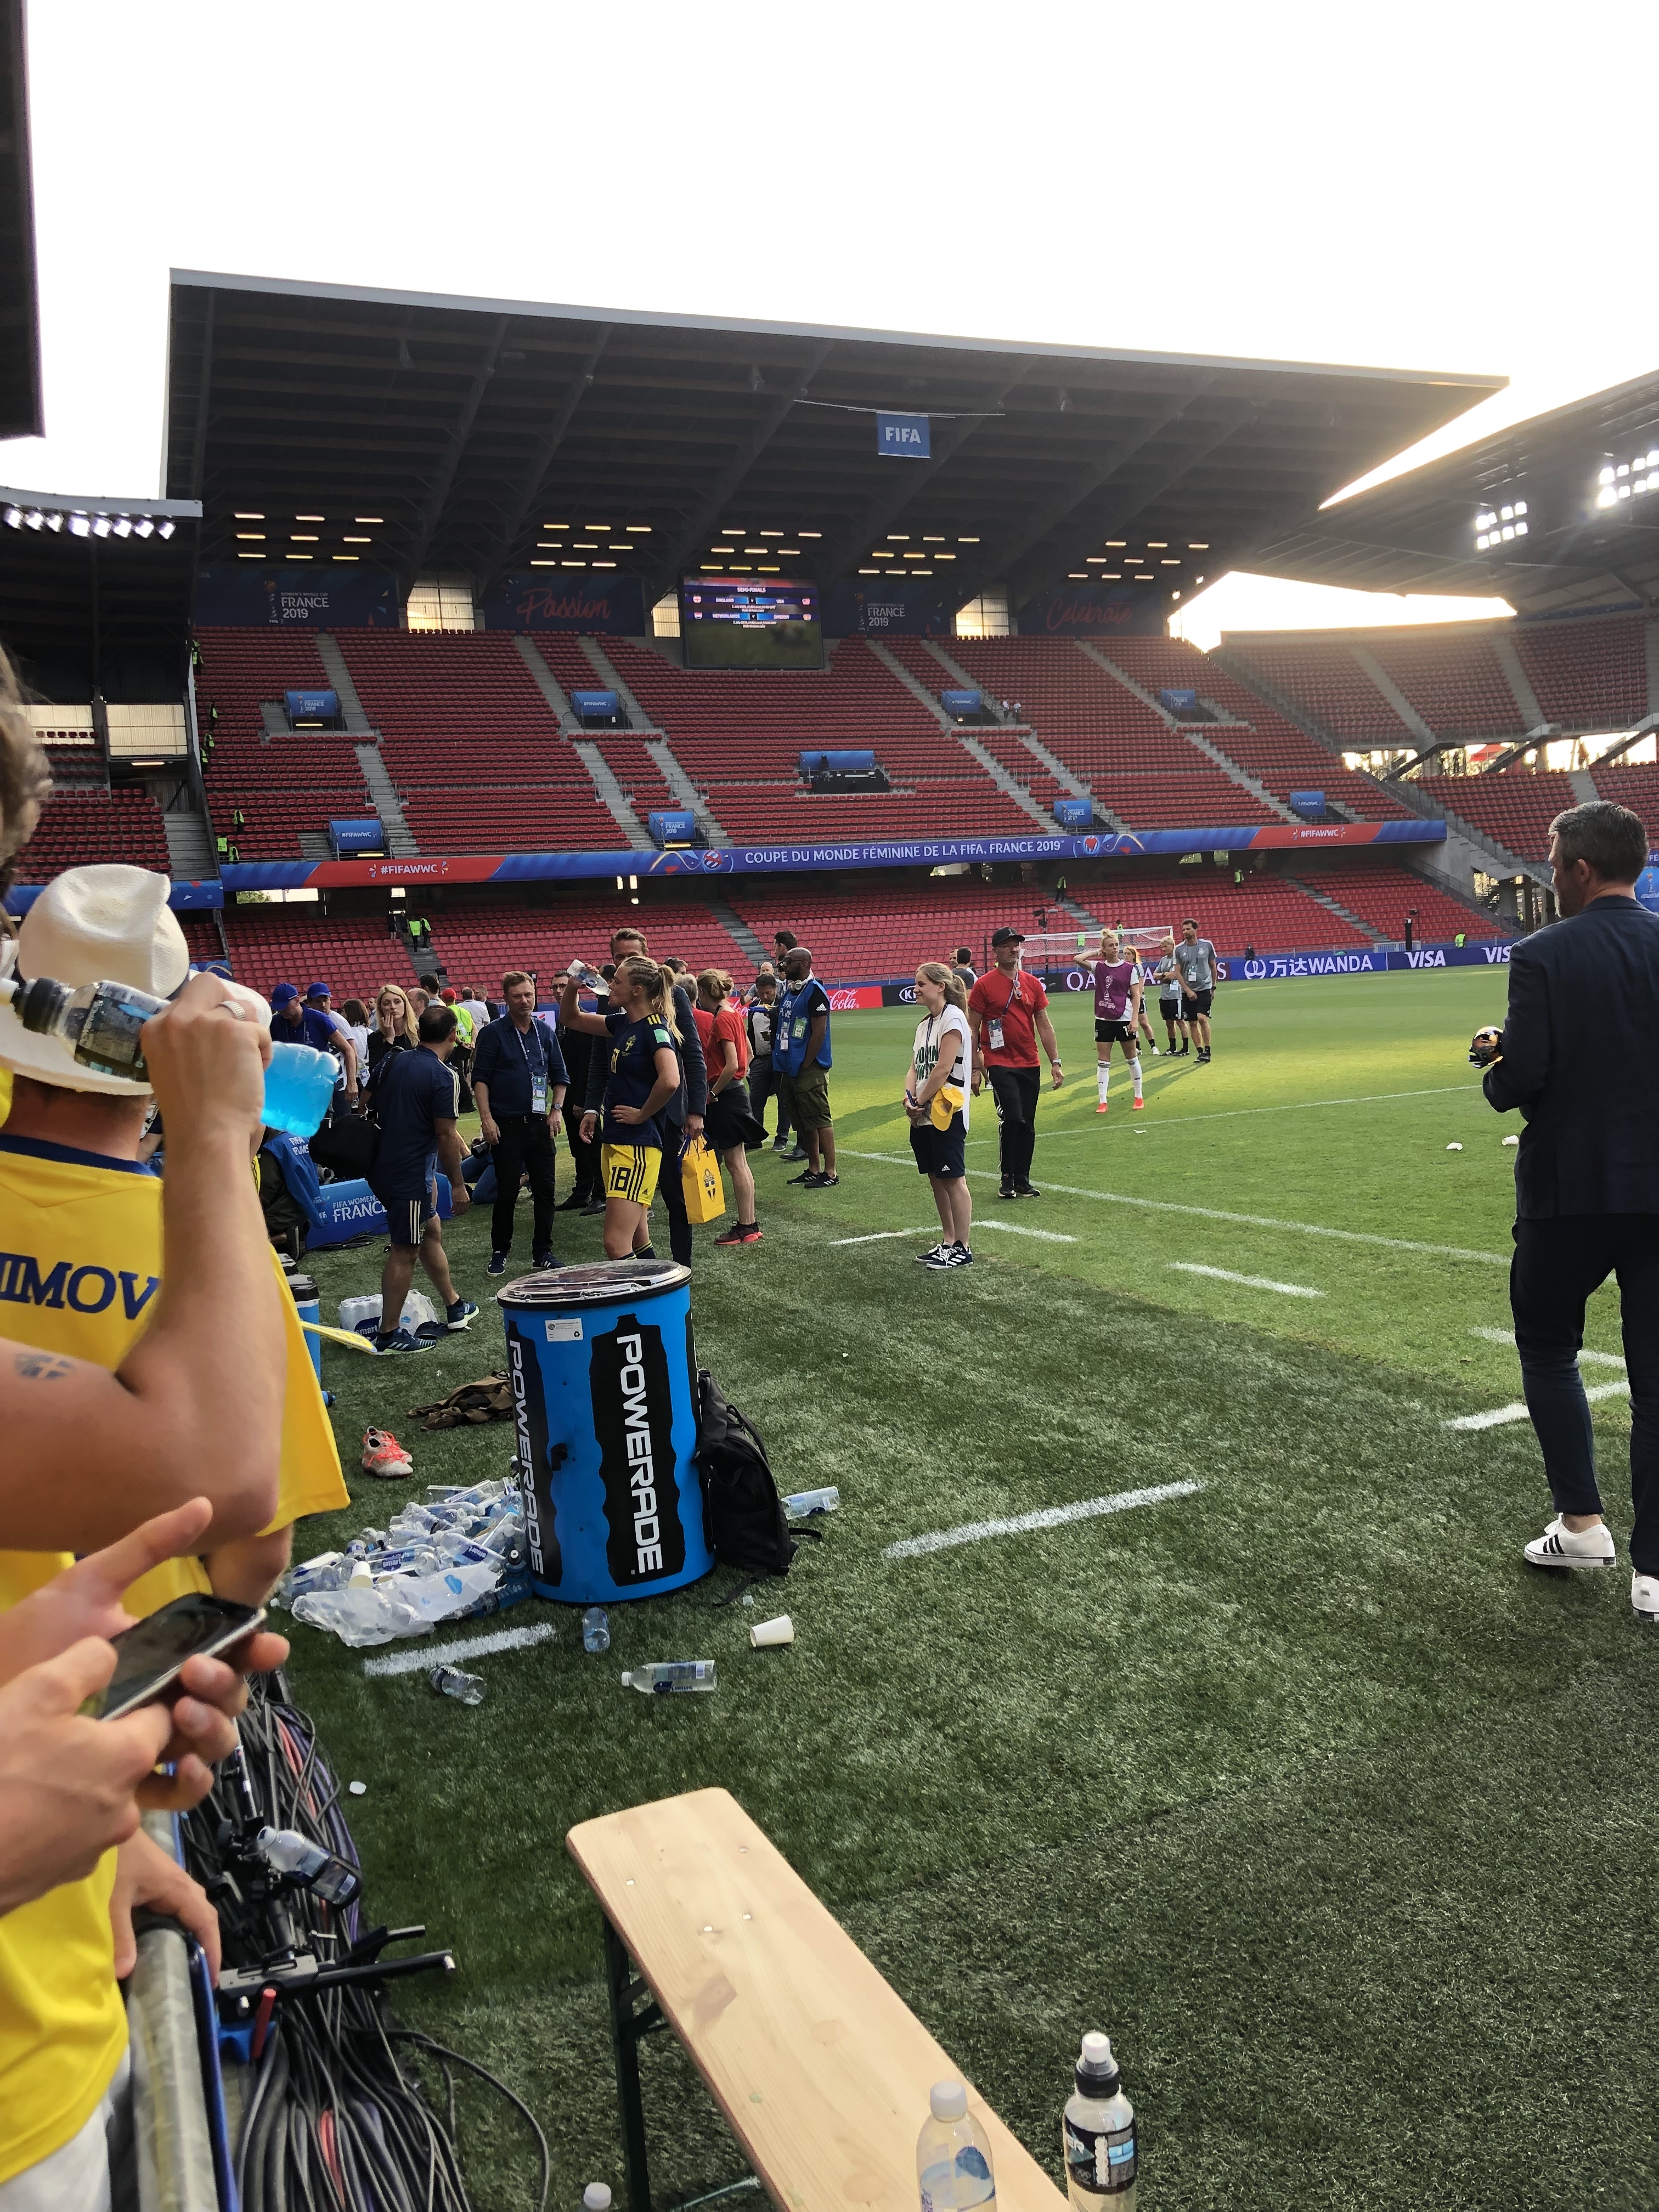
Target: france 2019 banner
[
  {"x": 900, "y": 606},
  {"x": 613, "y": 607},
  {"x": 304, "y": 596}
]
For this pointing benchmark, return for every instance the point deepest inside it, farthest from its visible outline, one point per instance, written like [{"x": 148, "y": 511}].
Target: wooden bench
[{"x": 822, "y": 2070}]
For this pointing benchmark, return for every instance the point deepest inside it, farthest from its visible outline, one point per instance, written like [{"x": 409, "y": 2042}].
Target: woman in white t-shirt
[{"x": 936, "y": 1102}]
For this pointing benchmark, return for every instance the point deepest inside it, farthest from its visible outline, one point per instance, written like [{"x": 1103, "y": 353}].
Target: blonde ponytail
[
  {"x": 658, "y": 984},
  {"x": 955, "y": 990}
]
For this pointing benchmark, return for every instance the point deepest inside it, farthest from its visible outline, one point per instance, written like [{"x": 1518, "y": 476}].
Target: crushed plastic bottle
[
  {"x": 596, "y": 1630},
  {"x": 335, "y": 1879},
  {"x": 464, "y": 1553},
  {"x": 666, "y": 1678},
  {"x": 953, "y": 2154},
  {"x": 465, "y": 1689},
  {"x": 805, "y": 1503},
  {"x": 357, "y": 1616}
]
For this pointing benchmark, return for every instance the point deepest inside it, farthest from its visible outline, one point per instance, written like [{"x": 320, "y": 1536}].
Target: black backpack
[{"x": 743, "y": 1515}]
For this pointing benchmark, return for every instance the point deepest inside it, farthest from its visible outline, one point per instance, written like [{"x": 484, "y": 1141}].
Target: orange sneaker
[
  {"x": 1101, "y": 1107},
  {"x": 1139, "y": 1106},
  {"x": 383, "y": 1455}
]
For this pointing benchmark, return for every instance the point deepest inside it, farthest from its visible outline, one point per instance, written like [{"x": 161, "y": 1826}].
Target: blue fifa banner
[
  {"x": 960, "y": 703},
  {"x": 1179, "y": 702},
  {"x": 301, "y": 598},
  {"x": 312, "y": 706},
  {"x": 184, "y": 898},
  {"x": 903, "y": 438},
  {"x": 1074, "y": 813},
  {"x": 1308, "y": 804},
  {"x": 1095, "y": 610},
  {"x": 672, "y": 825},
  {"x": 1288, "y": 967},
  {"x": 594, "y": 706},
  {"x": 774, "y": 860},
  {"x": 364, "y": 833},
  {"x": 613, "y": 607},
  {"x": 1647, "y": 889},
  {"x": 838, "y": 763},
  {"x": 885, "y": 606}
]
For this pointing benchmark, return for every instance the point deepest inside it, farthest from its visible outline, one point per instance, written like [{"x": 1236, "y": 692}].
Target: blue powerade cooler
[{"x": 603, "y": 1380}]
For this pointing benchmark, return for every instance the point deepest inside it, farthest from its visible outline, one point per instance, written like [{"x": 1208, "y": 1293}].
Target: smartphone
[{"x": 149, "y": 1657}]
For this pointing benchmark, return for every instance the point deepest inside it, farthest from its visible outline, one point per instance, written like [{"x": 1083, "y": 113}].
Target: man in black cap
[{"x": 1008, "y": 1013}]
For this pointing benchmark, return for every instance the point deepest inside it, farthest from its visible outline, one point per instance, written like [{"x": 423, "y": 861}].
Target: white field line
[
  {"x": 1250, "y": 1282},
  {"x": 1516, "y": 1412},
  {"x": 1507, "y": 1336},
  {"x": 1296, "y": 1106},
  {"x": 1044, "y": 1516},
  {"x": 1019, "y": 1229},
  {"x": 468, "y": 1647},
  {"x": 883, "y": 1235},
  {"x": 1216, "y": 1213}
]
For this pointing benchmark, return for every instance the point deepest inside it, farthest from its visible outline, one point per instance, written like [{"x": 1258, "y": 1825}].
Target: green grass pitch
[{"x": 1304, "y": 1787}]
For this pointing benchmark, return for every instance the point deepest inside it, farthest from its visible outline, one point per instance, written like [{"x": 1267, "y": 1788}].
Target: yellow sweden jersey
[{"x": 80, "y": 1274}]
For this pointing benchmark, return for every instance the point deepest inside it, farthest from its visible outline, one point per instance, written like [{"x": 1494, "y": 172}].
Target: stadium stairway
[
  {"x": 992, "y": 766},
  {"x": 190, "y": 845},
  {"x": 547, "y": 683},
  {"x": 1533, "y": 716},
  {"x": 1201, "y": 743},
  {"x": 611, "y": 680},
  {"x": 400, "y": 837},
  {"x": 612, "y": 795},
  {"x": 351, "y": 707},
  {"x": 729, "y": 919},
  {"x": 1342, "y": 913},
  {"x": 685, "y": 791}
]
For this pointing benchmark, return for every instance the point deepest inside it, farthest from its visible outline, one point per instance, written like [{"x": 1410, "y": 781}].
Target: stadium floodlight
[
  {"x": 122, "y": 526},
  {"x": 164, "y": 529},
  {"x": 14, "y": 518},
  {"x": 381, "y": 517},
  {"x": 145, "y": 528},
  {"x": 78, "y": 525}
]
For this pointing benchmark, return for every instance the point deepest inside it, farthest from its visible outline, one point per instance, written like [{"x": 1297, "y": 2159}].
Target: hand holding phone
[{"x": 150, "y": 1657}]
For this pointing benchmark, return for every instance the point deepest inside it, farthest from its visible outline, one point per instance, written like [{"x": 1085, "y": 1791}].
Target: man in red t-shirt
[{"x": 1008, "y": 1013}]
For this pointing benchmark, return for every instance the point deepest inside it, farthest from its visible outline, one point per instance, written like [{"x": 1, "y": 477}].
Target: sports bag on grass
[
  {"x": 700, "y": 1178},
  {"x": 743, "y": 1515}
]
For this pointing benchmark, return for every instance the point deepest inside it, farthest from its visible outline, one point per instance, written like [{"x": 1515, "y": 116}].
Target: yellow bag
[{"x": 700, "y": 1177}]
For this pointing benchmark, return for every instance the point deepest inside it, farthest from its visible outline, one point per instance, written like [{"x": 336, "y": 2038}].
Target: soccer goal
[{"x": 1048, "y": 952}]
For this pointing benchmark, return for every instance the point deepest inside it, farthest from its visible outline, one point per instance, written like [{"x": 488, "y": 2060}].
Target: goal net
[{"x": 1051, "y": 951}]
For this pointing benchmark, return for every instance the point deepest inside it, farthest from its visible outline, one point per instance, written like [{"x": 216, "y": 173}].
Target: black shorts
[
  {"x": 1170, "y": 1010},
  {"x": 406, "y": 1217},
  {"x": 1121, "y": 1032},
  {"x": 940, "y": 1151},
  {"x": 1196, "y": 1002}
]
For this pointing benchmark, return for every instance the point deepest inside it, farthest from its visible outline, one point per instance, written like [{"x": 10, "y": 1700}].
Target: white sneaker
[
  {"x": 1644, "y": 1596},
  {"x": 1560, "y": 1547}
]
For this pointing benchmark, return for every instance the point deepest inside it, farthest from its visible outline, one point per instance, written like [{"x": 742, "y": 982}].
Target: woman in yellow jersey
[{"x": 645, "y": 1073}]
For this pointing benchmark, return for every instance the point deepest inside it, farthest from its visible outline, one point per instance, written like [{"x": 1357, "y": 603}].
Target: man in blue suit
[{"x": 1579, "y": 1056}]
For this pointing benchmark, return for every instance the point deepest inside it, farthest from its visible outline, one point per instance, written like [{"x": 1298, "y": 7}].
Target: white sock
[
  {"x": 1135, "y": 1073},
  {"x": 1103, "y": 1076}
]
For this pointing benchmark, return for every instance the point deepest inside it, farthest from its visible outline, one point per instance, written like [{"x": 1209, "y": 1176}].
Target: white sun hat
[{"x": 93, "y": 924}]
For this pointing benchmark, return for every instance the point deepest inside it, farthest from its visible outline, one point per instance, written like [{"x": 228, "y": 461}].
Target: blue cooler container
[{"x": 605, "y": 1401}]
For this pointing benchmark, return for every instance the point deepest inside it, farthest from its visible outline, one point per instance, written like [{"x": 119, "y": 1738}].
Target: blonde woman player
[
  {"x": 1117, "y": 1011},
  {"x": 1167, "y": 975},
  {"x": 645, "y": 1074},
  {"x": 936, "y": 1102}
]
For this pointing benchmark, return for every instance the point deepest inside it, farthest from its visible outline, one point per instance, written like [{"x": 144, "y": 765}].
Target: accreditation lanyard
[{"x": 539, "y": 1075}]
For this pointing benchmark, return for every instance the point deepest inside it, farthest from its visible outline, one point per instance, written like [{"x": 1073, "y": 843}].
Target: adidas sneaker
[{"x": 1560, "y": 1547}]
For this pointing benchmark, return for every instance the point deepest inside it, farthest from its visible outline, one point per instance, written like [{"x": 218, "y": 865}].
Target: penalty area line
[
  {"x": 1516, "y": 1411},
  {"x": 1043, "y": 1516},
  {"x": 468, "y": 1647},
  {"x": 1003, "y": 1227},
  {"x": 1250, "y": 1282}
]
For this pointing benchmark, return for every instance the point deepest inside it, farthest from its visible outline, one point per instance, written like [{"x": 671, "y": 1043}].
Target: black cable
[{"x": 335, "y": 2121}]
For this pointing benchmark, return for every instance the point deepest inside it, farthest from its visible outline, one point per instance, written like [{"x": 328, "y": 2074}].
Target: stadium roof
[
  {"x": 467, "y": 430},
  {"x": 91, "y": 589},
  {"x": 20, "y": 413},
  {"x": 1418, "y": 532}
]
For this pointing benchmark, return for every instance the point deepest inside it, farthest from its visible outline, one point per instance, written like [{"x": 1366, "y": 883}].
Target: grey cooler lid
[{"x": 602, "y": 1283}]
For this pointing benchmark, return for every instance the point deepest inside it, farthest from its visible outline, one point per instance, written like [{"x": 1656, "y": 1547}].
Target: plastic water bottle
[
  {"x": 334, "y": 1880},
  {"x": 953, "y": 2154},
  {"x": 666, "y": 1678},
  {"x": 466, "y": 1689},
  {"x": 103, "y": 1025},
  {"x": 1097, "y": 2134},
  {"x": 596, "y": 1630},
  {"x": 804, "y": 1503}
]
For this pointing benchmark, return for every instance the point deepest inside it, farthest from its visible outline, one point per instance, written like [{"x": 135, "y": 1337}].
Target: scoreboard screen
[{"x": 749, "y": 622}]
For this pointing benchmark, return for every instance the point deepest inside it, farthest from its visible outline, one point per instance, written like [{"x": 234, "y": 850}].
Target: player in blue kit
[{"x": 1117, "y": 1011}]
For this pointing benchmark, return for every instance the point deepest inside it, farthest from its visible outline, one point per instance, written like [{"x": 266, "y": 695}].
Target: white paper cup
[{"x": 766, "y": 1633}]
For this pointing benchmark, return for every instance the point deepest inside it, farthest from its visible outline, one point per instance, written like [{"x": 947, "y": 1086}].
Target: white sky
[{"x": 1423, "y": 186}]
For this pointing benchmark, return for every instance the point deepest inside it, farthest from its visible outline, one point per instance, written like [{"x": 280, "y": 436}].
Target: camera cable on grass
[{"x": 329, "y": 2106}]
